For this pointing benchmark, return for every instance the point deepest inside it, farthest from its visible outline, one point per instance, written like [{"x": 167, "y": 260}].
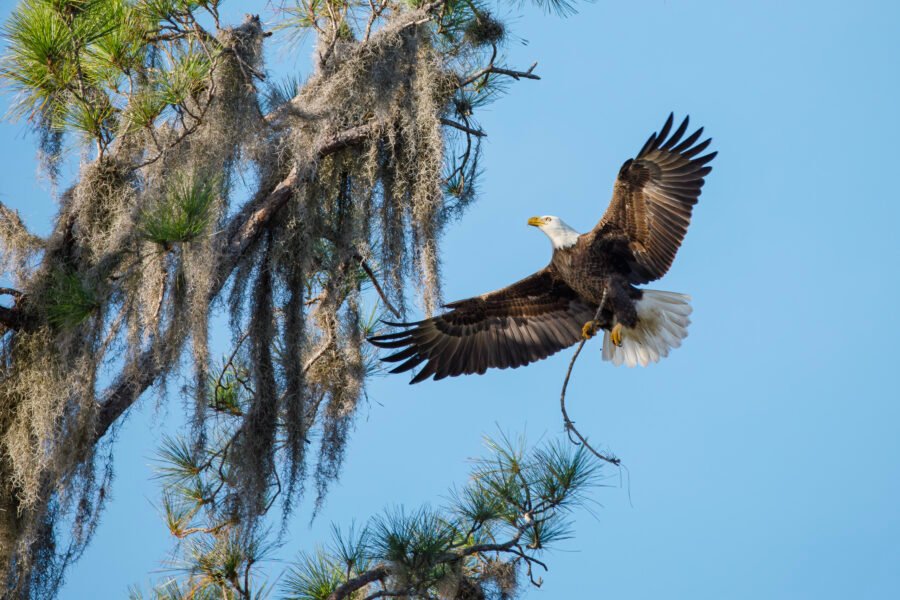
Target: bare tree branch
[
  {"x": 504, "y": 547},
  {"x": 461, "y": 127},
  {"x": 569, "y": 423},
  {"x": 529, "y": 74},
  {"x": 382, "y": 571},
  {"x": 359, "y": 582},
  {"x": 374, "y": 280},
  {"x": 323, "y": 348}
]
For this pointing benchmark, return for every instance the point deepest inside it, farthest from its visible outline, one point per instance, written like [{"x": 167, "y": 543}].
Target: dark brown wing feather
[
  {"x": 653, "y": 198},
  {"x": 519, "y": 324}
]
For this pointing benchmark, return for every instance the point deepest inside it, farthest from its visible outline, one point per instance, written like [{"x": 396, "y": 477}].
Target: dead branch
[
  {"x": 491, "y": 69},
  {"x": 569, "y": 423},
  {"x": 323, "y": 348},
  {"x": 348, "y": 587},
  {"x": 377, "y": 286},
  {"x": 461, "y": 127}
]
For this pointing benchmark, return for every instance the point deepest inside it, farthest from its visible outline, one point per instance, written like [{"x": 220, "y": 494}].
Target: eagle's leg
[
  {"x": 615, "y": 335},
  {"x": 621, "y": 297},
  {"x": 590, "y": 329}
]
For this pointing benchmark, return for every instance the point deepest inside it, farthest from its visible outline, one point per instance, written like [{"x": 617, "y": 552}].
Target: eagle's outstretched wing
[
  {"x": 652, "y": 200},
  {"x": 519, "y": 324}
]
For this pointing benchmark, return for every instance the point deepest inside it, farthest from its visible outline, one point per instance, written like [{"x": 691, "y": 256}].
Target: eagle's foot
[
  {"x": 616, "y": 334},
  {"x": 590, "y": 329}
]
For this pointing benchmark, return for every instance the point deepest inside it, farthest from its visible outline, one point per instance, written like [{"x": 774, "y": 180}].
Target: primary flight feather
[{"x": 634, "y": 243}]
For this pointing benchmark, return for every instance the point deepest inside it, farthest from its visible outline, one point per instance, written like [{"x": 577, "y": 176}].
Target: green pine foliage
[
  {"x": 183, "y": 214},
  {"x": 488, "y": 536},
  {"x": 100, "y": 68},
  {"x": 314, "y": 576},
  {"x": 66, "y": 58},
  {"x": 491, "y": 534},
  {"x": 69, "y": 300}
]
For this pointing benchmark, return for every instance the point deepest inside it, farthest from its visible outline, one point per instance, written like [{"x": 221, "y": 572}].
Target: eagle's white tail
[{"x": 662, "y": 324}]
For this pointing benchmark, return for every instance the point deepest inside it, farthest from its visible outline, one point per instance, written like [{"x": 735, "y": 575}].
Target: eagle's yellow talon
[
  {"x": 616, "y": 334},
  {"x": 589, "y": 330}
]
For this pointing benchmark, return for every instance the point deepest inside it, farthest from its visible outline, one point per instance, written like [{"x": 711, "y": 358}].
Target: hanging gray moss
[{"x": 153, "y": 241}]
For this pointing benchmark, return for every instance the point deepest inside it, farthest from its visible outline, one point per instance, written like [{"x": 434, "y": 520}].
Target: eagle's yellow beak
[{"x": 536, "y": 221}]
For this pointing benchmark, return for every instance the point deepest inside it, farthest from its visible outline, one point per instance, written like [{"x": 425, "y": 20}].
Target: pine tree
[
  {"x": 355, "y": 174},
  {"x": 483, "y": 544}
]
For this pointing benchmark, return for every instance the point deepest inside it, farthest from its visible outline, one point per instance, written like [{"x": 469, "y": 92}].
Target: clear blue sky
[{"x": 764, "y": 455}]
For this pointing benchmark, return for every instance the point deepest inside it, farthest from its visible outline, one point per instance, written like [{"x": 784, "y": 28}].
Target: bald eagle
[{"x": 634, "y": 243}]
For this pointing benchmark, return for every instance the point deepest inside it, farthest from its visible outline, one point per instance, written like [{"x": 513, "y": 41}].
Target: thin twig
[
  {"x": 111, "y": 334},
  {"x": 517, "y": 550},
  {"x": 373, "y": 16},
  {"x": 529, "y": 74},
  {"x": 319, "y": 353},
  {"x": 186, "y": 131},
  {"x": 569, "y": 423},
  {"x": 374, "y": 280},
  {"x": 229, "y": 364},
  {"x": 535, "y": 582},
  {"x": 461, "y": 127}
]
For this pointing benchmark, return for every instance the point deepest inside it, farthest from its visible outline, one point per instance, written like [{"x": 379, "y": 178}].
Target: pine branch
[
  {"x": 378, "y": 288},
  {"x": 461, "y": 127},
  {"x": 491, "y": 69},
  {"x": 383, "y": 571},
  {"x": 360, "y": 581}
]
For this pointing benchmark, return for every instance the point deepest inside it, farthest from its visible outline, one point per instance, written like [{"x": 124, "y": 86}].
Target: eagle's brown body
[
  {"x": 599, "y": 274},
  {"x": 635, "y": 242}
]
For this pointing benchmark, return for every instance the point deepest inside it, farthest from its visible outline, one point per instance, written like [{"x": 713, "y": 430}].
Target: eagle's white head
[{"x": 560, "y": 234}]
